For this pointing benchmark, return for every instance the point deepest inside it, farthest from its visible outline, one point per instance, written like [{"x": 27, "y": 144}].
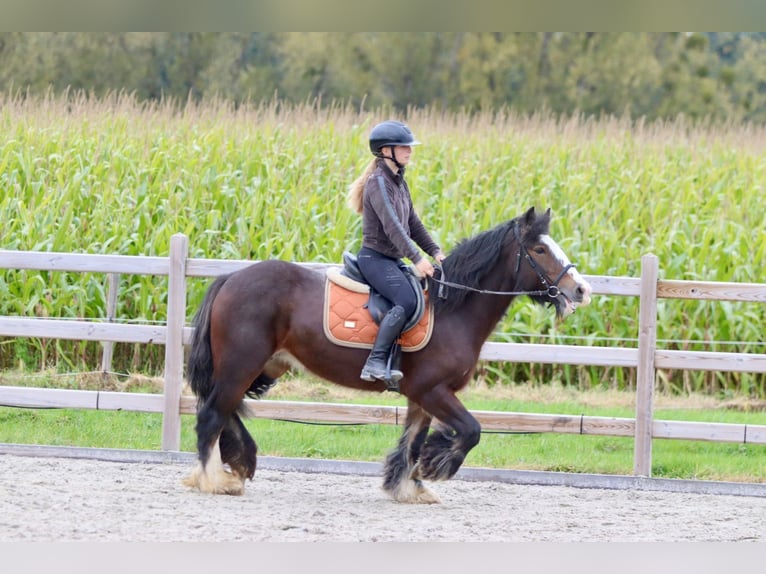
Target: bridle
[{"x": 551, "y": 287}]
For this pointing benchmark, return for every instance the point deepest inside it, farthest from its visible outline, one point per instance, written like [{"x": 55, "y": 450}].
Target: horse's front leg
[
  {"x": 445, "y": 448},
  {"x": 401, "y": 478}
]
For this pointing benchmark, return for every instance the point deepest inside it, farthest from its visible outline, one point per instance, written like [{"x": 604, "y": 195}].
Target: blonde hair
[{"x": 355, "y": 194}]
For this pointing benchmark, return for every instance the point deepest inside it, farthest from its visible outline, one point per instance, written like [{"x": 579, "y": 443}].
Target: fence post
[
  {"x": 174, "y": 350},
  {"x": 647, "y": 346},
  {"x": 112, "y": 285}
]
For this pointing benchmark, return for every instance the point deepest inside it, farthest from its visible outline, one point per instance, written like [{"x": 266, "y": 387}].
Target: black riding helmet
[{"x": 390, "y": 133}]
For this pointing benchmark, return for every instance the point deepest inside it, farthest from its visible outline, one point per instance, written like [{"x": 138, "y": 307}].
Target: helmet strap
[{"x": 393, "y": 158}]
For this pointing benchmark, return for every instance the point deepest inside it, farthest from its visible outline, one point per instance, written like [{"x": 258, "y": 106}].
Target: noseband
[{"x": 551, "y": 287}]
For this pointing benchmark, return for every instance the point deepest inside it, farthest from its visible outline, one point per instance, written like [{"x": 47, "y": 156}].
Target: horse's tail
[{"x": 200, "y": 364}]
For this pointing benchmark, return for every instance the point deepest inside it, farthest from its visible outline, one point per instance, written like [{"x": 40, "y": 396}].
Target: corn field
[{"x": 116, "y": 176}]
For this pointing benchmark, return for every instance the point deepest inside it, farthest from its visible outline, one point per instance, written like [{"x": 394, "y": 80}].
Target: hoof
[
  {"x": 192, "y": 481},
  {"x": 221, "y": 482},
  {"x": 413, "y": 492}
]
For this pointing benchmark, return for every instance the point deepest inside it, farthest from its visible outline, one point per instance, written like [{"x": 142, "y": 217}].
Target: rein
[
  {"x": 551, "y": 287},
  {"x": 552, "y": 291}
]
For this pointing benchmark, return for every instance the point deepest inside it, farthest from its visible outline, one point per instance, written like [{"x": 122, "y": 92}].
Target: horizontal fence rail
[
  {"x": 174, "y": 335},
  {"x": 510, "y": 422}
]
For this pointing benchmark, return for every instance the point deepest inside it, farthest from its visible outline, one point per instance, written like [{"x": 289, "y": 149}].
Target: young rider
[{"x": 391, "y": 230}]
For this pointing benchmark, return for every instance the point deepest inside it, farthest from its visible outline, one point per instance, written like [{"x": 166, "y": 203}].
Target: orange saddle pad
[{"x": 348, "y": 323}]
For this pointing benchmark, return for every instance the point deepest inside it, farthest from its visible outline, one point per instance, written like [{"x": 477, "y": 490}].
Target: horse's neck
[
  {"x": 490, "y": 307},
  {"x": 479, "y": 315}
]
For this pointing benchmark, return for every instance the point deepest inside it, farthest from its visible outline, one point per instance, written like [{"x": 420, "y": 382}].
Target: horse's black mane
[{"x": 470, "y": 261}]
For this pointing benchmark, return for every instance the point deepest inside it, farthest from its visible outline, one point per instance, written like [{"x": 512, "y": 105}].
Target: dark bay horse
[{"x": 254, "y": 323}]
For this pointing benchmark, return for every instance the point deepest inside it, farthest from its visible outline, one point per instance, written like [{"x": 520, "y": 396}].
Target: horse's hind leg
[
  {"x": 213, "y": 478},
  {"x": 401, "y": 476},
  {"x": 238, "y": 449},
  {"x": 212, "y": 428}
]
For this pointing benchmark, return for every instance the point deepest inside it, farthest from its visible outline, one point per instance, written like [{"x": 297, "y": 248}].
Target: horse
[{"x": 257, "y": 322}]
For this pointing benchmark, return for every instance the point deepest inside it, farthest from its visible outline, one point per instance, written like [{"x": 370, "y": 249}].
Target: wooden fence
[{"x": 646, "y": 358}]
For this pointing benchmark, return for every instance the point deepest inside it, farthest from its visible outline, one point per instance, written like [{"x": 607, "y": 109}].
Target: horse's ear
[
  {"x": 535, "y": 225},
  {"x": 544, "y": 221}
]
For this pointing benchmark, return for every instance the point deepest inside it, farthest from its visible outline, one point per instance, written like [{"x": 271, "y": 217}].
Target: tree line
[{"x": 704, "y": 76}]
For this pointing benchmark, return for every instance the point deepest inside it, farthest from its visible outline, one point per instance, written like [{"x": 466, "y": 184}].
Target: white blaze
[{"x": 562, "y": 258}]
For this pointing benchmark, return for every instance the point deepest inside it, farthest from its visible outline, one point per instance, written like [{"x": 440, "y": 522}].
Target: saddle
[{"x": 353, "y": 309}]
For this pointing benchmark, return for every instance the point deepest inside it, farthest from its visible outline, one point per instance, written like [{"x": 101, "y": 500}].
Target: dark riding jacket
[{"x": 390, "y": 224}]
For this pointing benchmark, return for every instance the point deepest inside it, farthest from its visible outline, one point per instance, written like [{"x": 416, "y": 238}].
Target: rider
[{"x": 391, "y": 230}]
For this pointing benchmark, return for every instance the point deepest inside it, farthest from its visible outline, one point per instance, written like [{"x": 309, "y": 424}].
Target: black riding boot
[{"x": 390, "y": 328}]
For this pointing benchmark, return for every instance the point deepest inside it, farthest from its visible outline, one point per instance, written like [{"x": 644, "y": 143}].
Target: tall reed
[{"x": 117, "y": 176}]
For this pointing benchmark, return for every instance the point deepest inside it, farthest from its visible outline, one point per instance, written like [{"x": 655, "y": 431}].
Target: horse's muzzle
[{"x": 573, "y": 292}]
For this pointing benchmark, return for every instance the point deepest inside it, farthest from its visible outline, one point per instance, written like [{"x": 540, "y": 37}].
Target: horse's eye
[{"x": 539, "y": 250}]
